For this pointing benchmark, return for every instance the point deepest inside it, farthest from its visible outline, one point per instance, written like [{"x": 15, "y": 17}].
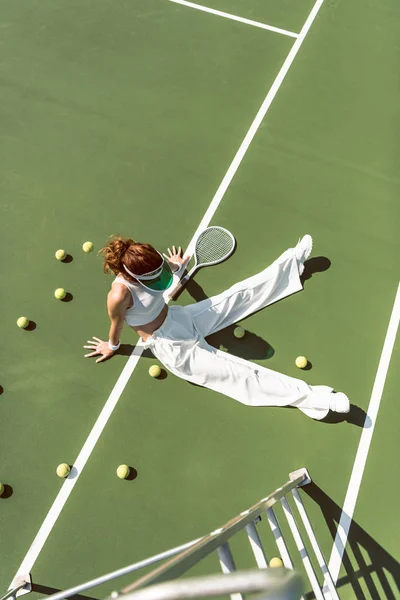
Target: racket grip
[{"x": 179, "y": 287}]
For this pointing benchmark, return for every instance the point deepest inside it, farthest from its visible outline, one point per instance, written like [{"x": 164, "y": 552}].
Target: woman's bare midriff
[{"x": 145, "y": 331}]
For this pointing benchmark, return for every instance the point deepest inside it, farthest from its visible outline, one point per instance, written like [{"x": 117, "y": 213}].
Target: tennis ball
[
  {"x": 87, "y": 247},
  {"x": 123, "y": 471},
  {"x": 23, "y": 322},
  {"x": 239, "y": 332},
  {"x": 60, "y": 293},
  {"x": 61, "y": 254},
  {"x": 63, "y": 470},
  {"x": 275, "y": 562},
  {"x": 2, "y": 489},
  {"x": 155, "y": 371},
  {"x": 301, "y": 362}
]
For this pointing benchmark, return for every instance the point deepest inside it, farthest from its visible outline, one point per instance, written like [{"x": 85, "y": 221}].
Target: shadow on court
[
  {"x": 47, "y": 591},
  {"x": 378, "y": 564},
  {"x": 317, "y": 264},
  {"x": 8, "y": 492},
  {"x": 356, "y": 416},
  {"x": 250, "y": 347}
]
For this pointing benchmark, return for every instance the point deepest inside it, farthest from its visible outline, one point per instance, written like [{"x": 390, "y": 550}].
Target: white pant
[{"x": 180, "y": 346}]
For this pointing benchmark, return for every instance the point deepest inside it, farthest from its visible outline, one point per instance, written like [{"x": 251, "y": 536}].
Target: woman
[{"x": 176, "y": 335}]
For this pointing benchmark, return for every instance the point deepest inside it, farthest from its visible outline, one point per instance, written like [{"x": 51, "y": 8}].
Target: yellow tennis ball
[
  {"x": 23, "y": 322},
  {"x": 123, "y": 471},
  {"x": 60, "y": 293},
  {"x": 155, "y": 371},
  {"x": 60, "y": 254},
  {"x": 2, "y": 488},
  {"x": 63, "y": 470},
  {"x": 301, "y": 362},
  {"x": 275, "y": 562},
  {"x": 239, "y": 332},
  {"x": 87, "y": 247}
]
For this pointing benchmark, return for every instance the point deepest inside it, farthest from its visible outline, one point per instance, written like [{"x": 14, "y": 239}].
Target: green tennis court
[{"x": 136, "y": 118}]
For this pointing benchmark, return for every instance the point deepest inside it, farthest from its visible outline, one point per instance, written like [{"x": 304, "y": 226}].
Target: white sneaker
[
  {"x": 303, "y": 250},
  {"x": 339, "y": 403}
]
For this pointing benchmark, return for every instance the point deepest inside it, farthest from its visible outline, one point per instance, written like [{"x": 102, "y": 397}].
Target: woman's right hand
[{"x": 176, "y": 257}]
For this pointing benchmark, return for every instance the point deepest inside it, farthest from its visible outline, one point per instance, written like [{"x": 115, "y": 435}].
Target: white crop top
[{"x": 147, "y": 305}]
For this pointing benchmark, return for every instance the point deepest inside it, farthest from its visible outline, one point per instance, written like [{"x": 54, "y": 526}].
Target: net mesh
[{"x": 213, "y": 245}]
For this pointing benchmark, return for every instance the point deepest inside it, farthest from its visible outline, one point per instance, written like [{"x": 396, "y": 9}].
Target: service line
[{"x": 226, "y": 15}]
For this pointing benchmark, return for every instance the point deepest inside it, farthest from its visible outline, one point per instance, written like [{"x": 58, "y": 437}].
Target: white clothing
[
  {"x": 147, "y": 304},
  {"x": 180, "y": 346}
]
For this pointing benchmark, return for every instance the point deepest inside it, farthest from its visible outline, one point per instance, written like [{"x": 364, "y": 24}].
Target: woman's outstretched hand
[
  {"x": 99, "y": 347},
  {"x": 176, "y": 256}
]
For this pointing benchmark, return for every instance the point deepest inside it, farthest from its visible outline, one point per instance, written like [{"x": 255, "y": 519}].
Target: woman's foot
[
  {"x": 303, "y": 251},
  {"x": 339, "y": 403}
]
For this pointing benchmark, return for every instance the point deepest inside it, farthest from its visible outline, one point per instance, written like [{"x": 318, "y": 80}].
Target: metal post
[
  {"x": 271, "y": 584},
  {"x": 22, "y": 584},
  {"x": 227, "y": 564},
  {"x": 313, "y": 540},
  {"x": 256, "y": 546},
  {"x": 302, "y": 549},
  {"x": 280, "y": 542},
  {"x": 78, "y": 589}
]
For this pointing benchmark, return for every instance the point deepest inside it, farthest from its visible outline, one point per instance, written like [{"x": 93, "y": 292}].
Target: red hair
[{"x": 138, "y": 258}]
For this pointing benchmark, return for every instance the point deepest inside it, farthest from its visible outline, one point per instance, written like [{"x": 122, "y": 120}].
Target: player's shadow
[
  {"x": 356, "y": 416},
  {"x": 45, "y": 590},
  {"x": 125, "y": 350},
  {"x": 378, "y": 564},
  {"x": 317, "y": 264},
  {"x": 250, "y": 347}
]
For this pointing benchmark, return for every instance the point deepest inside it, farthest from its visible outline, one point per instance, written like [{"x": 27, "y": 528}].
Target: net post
[
  {"x": 301, "y": 473},
  {"x": 20, "y": 585}
]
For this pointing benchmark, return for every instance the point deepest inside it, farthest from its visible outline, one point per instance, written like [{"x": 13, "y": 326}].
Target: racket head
[{"x": 213, "y": 245}]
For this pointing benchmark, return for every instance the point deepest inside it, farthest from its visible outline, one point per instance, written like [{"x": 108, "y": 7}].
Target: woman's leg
[
  {"x": 186, "y": 354},
  {"x": 180, "y": 345},
  {"x": 196, "y": 361},
  {"x": 277, "y": 281}
]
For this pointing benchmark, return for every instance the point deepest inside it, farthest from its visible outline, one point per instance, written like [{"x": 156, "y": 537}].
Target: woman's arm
[
  {"x": 116, "y": 312},
  {"x": 118, "y": 300}
]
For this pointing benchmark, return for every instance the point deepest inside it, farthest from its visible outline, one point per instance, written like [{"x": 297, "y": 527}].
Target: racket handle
[{"x": 177, "y": 290}]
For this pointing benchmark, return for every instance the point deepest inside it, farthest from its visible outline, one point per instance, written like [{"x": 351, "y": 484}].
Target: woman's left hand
[
  {"x": 175, "y": 256},
  {"x": 100, "y": 347}
]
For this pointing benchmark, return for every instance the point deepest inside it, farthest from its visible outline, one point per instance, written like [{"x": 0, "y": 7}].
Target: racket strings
[{"x": 213, "y": 245}]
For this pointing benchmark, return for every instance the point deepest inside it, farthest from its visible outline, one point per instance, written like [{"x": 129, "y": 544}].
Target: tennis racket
[{"x": 213, "y": 246}]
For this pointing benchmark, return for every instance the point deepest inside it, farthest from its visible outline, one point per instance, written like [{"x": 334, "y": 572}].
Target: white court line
[
  {"x": 69, "y": 484},
  {"x": 255, "y": 124},
  {"x": 364, "y": 444},
  {"x": 220, "y": 13},
  {"x": 119, "y": 387}
]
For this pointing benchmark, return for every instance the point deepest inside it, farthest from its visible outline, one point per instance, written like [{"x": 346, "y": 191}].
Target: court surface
[{"x": 128, "y": 117}]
